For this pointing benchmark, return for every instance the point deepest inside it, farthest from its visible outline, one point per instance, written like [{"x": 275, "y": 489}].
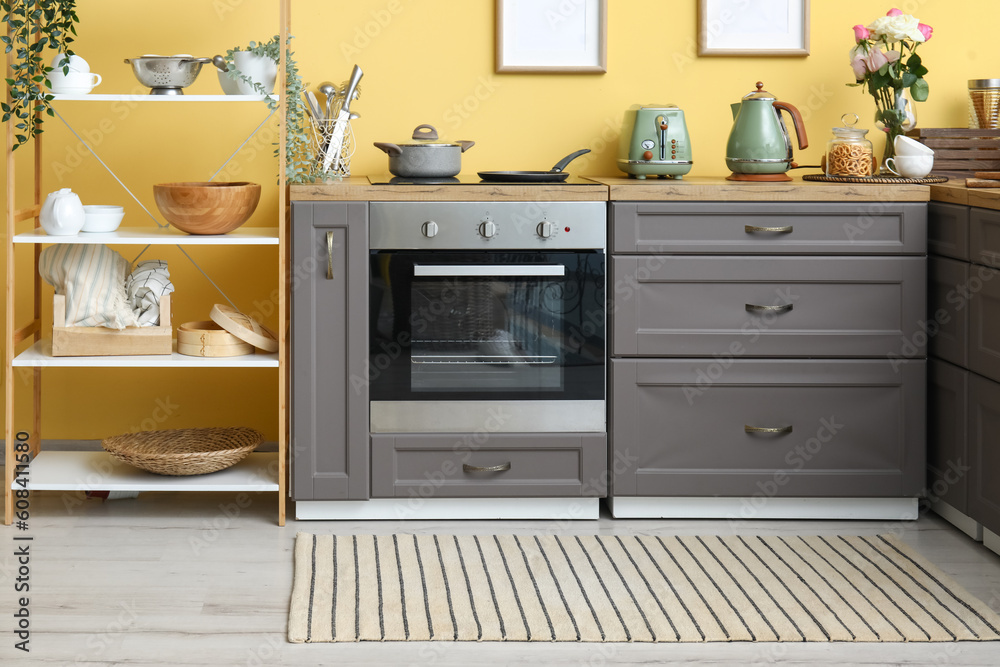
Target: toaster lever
[{"x": 661, "y": 123}]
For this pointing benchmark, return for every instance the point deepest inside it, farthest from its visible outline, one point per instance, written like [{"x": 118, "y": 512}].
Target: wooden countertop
[
  {"x": 719, "y": 189},
  {"x": 360, "y": 188},
  {"x": 955, "y": 192}
]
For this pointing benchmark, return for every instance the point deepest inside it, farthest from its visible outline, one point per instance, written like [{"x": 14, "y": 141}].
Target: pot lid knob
[
  {"x": 425, "y": 132},
  {"x": 760, "y": 93}
]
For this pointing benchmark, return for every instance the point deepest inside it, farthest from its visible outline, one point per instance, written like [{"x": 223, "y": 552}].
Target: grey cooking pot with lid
[{"x": 425, "y": 156}]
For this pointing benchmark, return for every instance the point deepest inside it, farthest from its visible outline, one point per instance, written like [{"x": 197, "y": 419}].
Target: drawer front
[
  {"x": 948, "y": 308},
  {"x": 984, "y": 322},
  {"x": 948, "y": 230},
  {"x": 848, "y": 428},
  {"x": 827, "y": 306},
  {"x": 527, "y": 465},
  {"x": 984, "y": 424},
  {"x": 769, "y": 228},
  {"x": 947, "y": 431},
  {"x": 984, "y": 236}
]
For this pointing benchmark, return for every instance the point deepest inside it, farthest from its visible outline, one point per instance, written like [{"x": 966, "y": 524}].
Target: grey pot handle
[
  {"x": 429, "y": 133},
  {"x": 392, "y": 149},
  {"x": 465, "y": 144},
  {"x": 566, "y": 160}
]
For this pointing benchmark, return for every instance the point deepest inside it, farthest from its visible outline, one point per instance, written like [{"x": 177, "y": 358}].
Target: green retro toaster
[{"x": 654, "y": 142}]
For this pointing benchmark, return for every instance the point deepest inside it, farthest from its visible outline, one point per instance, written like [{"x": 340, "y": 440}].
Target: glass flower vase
[{"x": 908, "y": 112}]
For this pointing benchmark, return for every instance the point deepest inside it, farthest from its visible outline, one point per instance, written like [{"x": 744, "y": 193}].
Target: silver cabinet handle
[
  {"x": 750, "y": 229},
  {"x": 329, "y": 255},
  {"x": 767, "y": 429},
  {"x": 497, "y": 468},
  {"x": 475, "y": 270},
  {"x": 784, "y": 308}
]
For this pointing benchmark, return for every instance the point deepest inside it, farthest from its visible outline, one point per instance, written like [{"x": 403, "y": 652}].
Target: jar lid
[
  {"x": 760, "y": 94},
  {"x": 848, "y": 131},
  {"x": 984, "y": 83}
]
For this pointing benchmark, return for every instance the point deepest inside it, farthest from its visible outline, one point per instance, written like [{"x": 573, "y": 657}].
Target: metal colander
[{"x": 167, "y": 75}]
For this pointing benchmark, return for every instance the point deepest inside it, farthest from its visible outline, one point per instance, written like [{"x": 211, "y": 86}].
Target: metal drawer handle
[
  {"x": 497, "y": 468},
  {"x": 767, "y": 429},
  {"x": 750, "y": 229},
  {"x": 329, "y": 255},
  {"x": 784, "y": 308}
]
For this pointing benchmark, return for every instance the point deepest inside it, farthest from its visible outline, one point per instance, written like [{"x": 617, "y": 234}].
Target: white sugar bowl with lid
[
  {"x": 62, "y": 213},
  {"x": 849, "y": 153}
]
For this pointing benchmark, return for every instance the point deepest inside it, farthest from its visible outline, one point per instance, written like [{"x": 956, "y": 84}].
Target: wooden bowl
[{"x": 207, "y": 208}]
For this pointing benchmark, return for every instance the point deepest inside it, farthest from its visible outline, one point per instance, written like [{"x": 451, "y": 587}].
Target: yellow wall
[{"x": 425, "y": 61}]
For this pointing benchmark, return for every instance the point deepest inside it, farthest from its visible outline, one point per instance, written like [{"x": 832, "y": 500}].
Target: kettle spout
[{"x": 736, "y": 109}]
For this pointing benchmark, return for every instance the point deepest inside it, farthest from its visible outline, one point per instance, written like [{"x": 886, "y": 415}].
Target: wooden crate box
[{"x": 104, "y": 342}]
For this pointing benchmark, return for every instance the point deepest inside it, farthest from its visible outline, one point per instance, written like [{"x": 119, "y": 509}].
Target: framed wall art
[
  {"x": 552, "y": 36},
  {"x": 753, "y": 27}
]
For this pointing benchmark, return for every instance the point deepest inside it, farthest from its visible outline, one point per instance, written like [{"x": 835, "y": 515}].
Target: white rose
[{"x": 896, "y": 28}]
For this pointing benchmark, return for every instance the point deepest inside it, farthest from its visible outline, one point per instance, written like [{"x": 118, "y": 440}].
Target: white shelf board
[
  {"x": 91, "y": 97},
  {"x": 158, "y": 236},
  {"x": 99, "y": 471},
  {"x": 40, "y": 355}
]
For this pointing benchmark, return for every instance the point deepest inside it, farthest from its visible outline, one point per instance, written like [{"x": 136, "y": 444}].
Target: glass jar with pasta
[{"x": 849, "y": 153}]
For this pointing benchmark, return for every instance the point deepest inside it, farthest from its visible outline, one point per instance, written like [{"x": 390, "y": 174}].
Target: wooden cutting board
[
  {"x": 989, "y": 175},
  {"x": 982, "y": 183}
]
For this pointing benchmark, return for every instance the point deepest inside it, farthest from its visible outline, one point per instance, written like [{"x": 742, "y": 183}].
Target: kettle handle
[{"x": 800, "y": 127}]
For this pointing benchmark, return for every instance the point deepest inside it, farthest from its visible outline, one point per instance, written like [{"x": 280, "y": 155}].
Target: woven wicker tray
[
  {"x": 876, "y": 180},
  {"x": 186, "y": 451}
]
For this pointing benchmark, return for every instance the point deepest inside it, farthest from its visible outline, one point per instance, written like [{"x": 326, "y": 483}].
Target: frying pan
[{"x": 554, "y": 175}]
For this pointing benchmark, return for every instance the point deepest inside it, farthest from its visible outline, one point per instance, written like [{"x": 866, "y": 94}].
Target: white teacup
[
  {"x": 907, "y": 146},
  {"x": 910, "y": 166},
  {"x": 74, "y": 83}
]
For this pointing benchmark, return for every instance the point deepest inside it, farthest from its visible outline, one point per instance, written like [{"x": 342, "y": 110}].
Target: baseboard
[
  {"x": 959, "y": 519},
  {"x": 991, "y": 541},
  {"x": 408, "y": 509},
  {"x": 57, "y": 445},
  {"x": 747, "y": 509}
]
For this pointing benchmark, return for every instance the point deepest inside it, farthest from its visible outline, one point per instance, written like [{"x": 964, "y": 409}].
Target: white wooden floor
[{"x": 182, "y": 579}]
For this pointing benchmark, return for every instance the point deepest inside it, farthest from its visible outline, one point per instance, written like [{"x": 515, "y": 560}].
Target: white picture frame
[
  {"x": 569, "y": 36},
  {"x": 753, "y": 28}
]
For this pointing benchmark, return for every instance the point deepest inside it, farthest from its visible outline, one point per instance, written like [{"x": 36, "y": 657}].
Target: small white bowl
[
  {"x": 98, "y": 218},
  {"x": 907, "y": 146}
]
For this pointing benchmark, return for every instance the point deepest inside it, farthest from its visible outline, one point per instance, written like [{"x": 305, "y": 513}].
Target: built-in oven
[{"x": 487, "y": 313}]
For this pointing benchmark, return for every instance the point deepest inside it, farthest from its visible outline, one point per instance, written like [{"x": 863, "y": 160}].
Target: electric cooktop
[{"x": 464, "y": 179}]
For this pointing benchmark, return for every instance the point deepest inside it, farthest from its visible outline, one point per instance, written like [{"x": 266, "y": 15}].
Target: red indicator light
[{"x": 567, "y": 229}]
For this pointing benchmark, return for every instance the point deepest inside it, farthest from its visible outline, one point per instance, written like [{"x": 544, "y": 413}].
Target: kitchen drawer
[
  {"x": 984, "y": 321},
  {"x": 947, "y": 428},
  {"x": 807, "y": 228},
  {"x": 857, "y": 428},
  {"x": 948, "y": 230},
  {"x": 537, "y": 465},
  {"x": 984, "y": 446},
  {"x": 948, "y": 308},
  {"x": 984, "y": 236},
  {"x": 701, "y": 306}
]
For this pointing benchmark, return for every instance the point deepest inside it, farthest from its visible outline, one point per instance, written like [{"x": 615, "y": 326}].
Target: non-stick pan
[{"x": 554, "y": 175}]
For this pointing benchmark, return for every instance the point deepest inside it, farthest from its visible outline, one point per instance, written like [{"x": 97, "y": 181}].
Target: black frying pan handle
[{"x": 566, "y": 160}]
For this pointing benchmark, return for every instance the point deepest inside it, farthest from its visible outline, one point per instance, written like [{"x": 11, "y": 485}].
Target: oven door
[{"x": 457, "y": 334}]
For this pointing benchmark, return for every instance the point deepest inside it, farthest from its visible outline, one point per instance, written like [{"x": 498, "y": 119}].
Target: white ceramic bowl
[
  {"x": 907, "y": 146},
  {"x": 98, "y": 218}
]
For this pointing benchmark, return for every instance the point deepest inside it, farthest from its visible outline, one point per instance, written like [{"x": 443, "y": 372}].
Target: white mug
[
  {"x": 75, "y": 83},
  {"x": 910, "y": 166},
  {"x": 906, "y": 146}
]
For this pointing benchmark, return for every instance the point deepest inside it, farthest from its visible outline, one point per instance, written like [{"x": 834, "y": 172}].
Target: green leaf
[
  {"x": 920, "y": 90},
  {"x": 908, "y": 80},
  {"x": 913, "y": 61}
]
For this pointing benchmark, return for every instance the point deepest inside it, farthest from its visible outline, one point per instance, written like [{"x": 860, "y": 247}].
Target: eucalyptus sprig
[{"x": 54, "y": 23}]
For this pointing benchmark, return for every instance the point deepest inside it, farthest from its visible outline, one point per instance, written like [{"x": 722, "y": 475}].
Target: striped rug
[{"x": 608, "y": 588}]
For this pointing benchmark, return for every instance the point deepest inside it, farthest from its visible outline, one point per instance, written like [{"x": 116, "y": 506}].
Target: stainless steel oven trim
[
  {"x": 487, "y": 417},
  {"x": 490, "y": 270}
]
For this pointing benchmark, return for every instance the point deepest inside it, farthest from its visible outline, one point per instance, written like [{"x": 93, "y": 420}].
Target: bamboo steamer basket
[{"x": 208, "y": 339}]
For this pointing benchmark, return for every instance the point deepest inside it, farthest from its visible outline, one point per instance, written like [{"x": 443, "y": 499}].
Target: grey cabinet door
[
  {"x": 698, "y": 427},
  {"x": 948, "y": 230},
  {"x": 768, "y": 306},
  {"x": 948, "y": 308},
  {"x": 984, "y": 236},
  {"x": 801, "y": 228},
  {"x": 984, "y": 321},
  {"x": 329, "y": 394},
  {"x": 984, "y": 427},
  {"x": 947, "y": 427}
]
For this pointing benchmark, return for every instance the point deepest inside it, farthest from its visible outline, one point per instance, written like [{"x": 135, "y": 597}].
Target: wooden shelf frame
[{"x": 36, "y": 357}]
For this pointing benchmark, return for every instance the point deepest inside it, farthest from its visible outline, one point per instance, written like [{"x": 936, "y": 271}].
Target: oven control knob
[
  {"x": 488, "y": 229},
  {"x": 545, "y": 229},
  {"x": 429, "y": 229}
]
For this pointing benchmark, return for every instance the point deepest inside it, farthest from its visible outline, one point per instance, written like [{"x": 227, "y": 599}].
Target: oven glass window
[{"x": 460, "y": 325}]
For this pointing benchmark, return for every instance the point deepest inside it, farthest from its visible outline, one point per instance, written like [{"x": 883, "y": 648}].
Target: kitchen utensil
[
  {"x": 654, "y": 142},
  {"x": 554, "y": 175},
  {"x": 426, "y": 156},
  {"x": 74, "y": 83},
  {"x": 244, "y": 327},
  {"x": 982, "y": 183},
  {"x": 906, "y": 146},
  {"x": 185, "y": 451},
  {"x": 220, "y": 62},
  {"x": 313, "y": 105},
  {"x": 849, "y": 153},
  {"x": 759, "y": 148},
  {"x": 208, "y": 339},
  {"x": 910, "y": 166},
  {"x": 333, "y": 157},
  {"x": 98, "y": 218},
  {"x": 207, "y": 208},
  {"x": 62, "y": 213},
  {"x": 988, "y": 175},
  {"x": 166, "y": 75},
  {"x": 329, "y": 91}
]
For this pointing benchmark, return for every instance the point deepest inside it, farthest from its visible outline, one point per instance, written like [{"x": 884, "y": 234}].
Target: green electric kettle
[{"x": 759, "y": 148}]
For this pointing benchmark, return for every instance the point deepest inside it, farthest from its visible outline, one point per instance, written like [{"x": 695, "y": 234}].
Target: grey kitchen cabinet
[
  {"x": 329, "y": 425},
  {"x": 768, "y": 348},
  {"x": 948, "y": 230},
  {"x": 984, "y": 426},
  {"x": 948, "y": 456},
  {"x": 948, "y": 309}
]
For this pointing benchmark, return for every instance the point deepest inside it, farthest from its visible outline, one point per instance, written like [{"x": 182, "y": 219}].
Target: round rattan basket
[{"x": 185, "y": 451}]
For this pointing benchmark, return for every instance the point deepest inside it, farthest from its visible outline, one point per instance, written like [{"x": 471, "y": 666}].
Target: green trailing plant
[
  {"x": 300, "y": 168},
  {"x": 54, "y": 23}
]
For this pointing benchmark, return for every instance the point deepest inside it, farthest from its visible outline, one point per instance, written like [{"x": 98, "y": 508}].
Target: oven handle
[{"x": 440, "y": 270}]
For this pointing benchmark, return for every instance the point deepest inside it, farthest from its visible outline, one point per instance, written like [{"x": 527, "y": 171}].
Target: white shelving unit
[{"x": 76, "y": 471}]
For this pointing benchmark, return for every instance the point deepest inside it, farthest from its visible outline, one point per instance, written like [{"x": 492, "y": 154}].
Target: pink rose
[
  {"x": 924, "y": 29},
  {"x": 872, "y": 60},
  {"x": 860, "y": 33},
  {"x": 894, "y": 12}
]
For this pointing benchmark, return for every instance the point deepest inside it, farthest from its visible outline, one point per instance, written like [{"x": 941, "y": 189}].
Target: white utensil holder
[{"x": 323, "y": 131}]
